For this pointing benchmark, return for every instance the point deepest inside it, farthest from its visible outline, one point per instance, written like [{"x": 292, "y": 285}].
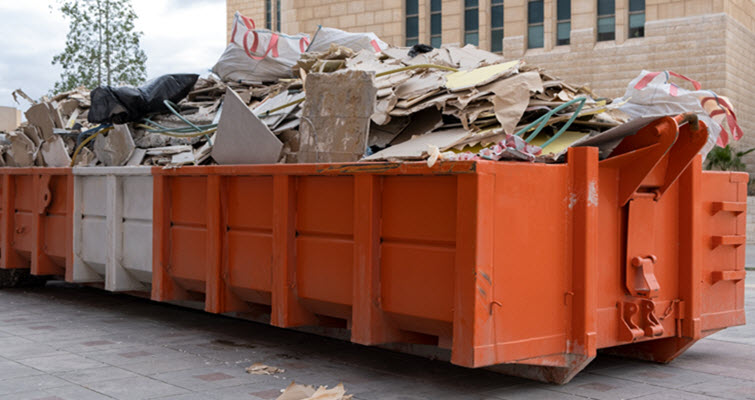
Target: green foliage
[
  {"x": 102, "y": 47},
  {"x": 726, "y": 159}
]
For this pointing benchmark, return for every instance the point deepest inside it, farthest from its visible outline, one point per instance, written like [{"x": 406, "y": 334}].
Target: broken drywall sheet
[
  {"x": 273, "y": 119},
  {"x": 470, "y": 56},
  {"x": 85, "y": 158},
  {"x": 137, "y": 157},
  {"x": 417, "y": 147},
  {"x": 115, "y": 147},
  {"x": 40, "y": 116},
  {"x": 54, "y": 152},
  {"x": 184, "y": 158},
  {"x": 420, "y": 84},
  {"x": 22, "y": 151},
  {"x": 241, "y": 137},
  {"x": 336, "y": 116}
]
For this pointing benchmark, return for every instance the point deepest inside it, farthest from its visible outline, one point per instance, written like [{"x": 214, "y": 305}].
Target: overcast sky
[{"x": 179, "y": 36}]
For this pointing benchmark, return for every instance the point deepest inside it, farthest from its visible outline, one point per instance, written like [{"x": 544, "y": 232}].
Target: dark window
[
  {"x": 563, "y": 22},
  {"x": 471, "y": 22},
  {"x": 278, "y": 15},
  {"x": 436, "y": 23},
  {"x": 496, "y": 26},
  {"x": 636, "y": 18},
  {"x": 606, "y": 20},
  {"x": 535, "y": 24},
  {"x": 412, "y": 22},
  {"x": 269, "y": 14}
]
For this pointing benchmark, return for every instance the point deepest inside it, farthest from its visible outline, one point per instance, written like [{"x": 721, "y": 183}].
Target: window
[
  {"x": 496, "y": 26},
  {"x": 606, "y": 20},
  {"x": 636, "y": 18},
  {"x": 535, "y": 24},
  {"x": 269, "y": 14},
  {"x": 436, "y": 23},
  {"x": 412, "y": 22},
  {"x": 471, "y": 22},
  {"x": 278, "y": 15},
  {"x": 563, "y": 22}
]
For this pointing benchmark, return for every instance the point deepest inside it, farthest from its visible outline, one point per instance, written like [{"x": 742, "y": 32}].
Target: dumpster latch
[
  {"x": 643, "y": 282},
  {"x": 647, "y": 325},
  {"x": 45, "y": 194}
]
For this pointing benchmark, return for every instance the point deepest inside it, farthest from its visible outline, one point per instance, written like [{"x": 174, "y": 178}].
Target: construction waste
[{"x": 348, "y": 97}]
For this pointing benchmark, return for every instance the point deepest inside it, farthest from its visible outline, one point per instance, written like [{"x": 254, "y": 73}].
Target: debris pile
[
  {"x": 347, "y": 97},
  {"x": 295, "y": 391},
  {"x": 262, "y": 369}
]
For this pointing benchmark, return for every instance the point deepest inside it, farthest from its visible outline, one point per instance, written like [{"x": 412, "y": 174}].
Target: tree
[{"x": 102, "y": 47}]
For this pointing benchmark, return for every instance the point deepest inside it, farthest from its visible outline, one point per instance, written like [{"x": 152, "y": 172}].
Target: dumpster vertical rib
[
  {"x": 369, "y": 325},
  {"x": 69, "y": 223},
  {"x": 114, "y": 218},
  {"x": 691, "y": 243},
  {"x": 161, "y": 283},
  {"x": 215, "y": 288},
  {"x": 474, "y": 303},
  {"x": 741, "y": 180},
  {"x": 36, "y": 227},
  {"x": 80, "y": 272},
  {"x": 583, "y": 165},
  {"x": 43, "y": 193},
  {"x": 286, "y": 309},
  {"x": 10, "y": 259}
]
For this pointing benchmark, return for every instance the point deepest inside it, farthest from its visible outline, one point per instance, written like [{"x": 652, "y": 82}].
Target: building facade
[
  {"x": 605, "y": 43},
  {"x": 10, "y": 119}
]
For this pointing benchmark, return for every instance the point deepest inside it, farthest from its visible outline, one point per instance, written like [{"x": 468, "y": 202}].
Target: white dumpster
[{"x": 112, "y": 227}]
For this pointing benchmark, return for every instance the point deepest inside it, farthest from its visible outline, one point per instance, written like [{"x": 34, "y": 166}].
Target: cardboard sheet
[{"x": 462, "y": 80}]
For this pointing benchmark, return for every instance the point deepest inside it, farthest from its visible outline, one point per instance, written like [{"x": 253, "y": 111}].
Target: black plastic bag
[
  {"x": 418, "y": 49},
  {"x": 130, "y": 104}
]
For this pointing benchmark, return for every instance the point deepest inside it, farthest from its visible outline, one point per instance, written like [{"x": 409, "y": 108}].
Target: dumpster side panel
[
  {"x": 131, "y": 258},
  {"x": 249, "y": 237},
  {"x": 417, "y": 253},
  {"x": 16, "y": 223},
  {"x": 724, "y": 200},
  {"x": 112, "y": 235},
  {"x": 90, "y": 228},
  {"x": 532, "y": 276},
  {"x": 324, "y": 244},
  {"x": 55, "y": 233},
  {"x": 24, "y": 195},
  {"x": 180, "y": 237}
]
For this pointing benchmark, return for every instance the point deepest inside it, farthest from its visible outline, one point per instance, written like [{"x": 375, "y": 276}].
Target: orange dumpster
[
  {"x": 527, "y": 268},
  {"x": 36, "y": 220}
]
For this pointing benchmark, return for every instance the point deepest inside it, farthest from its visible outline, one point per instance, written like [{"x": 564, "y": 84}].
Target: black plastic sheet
[{"x": 120, "y": 105}]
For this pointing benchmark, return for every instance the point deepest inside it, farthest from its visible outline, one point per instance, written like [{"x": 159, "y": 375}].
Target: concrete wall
[{"x": 10, "y": 118}]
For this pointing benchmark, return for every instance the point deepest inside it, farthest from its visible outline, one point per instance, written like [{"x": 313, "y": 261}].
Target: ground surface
[{"x": 63, "y": 342}]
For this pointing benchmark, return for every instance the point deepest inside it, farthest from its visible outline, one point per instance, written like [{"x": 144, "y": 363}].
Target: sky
[{"x": 179, "y": 36}]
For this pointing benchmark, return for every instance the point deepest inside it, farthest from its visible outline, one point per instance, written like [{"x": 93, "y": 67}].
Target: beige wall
[
  {"x": 712, "y": 41},
  {"x": 10, "y": 119}
]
